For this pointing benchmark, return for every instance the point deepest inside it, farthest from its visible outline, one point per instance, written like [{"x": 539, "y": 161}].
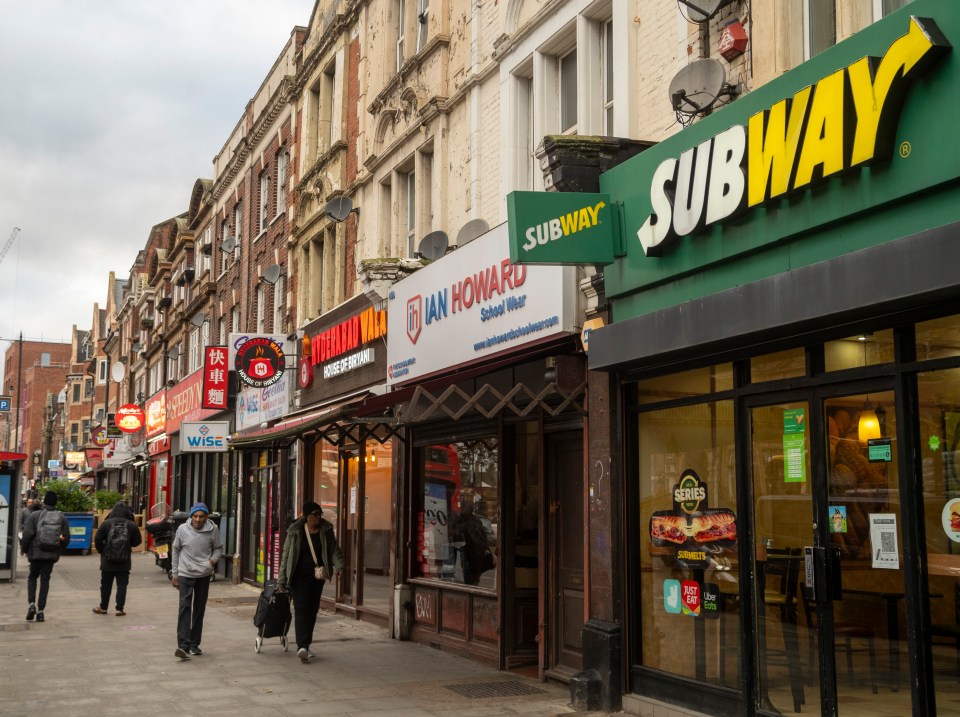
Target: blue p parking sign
[{"x": 4, "y": 404}]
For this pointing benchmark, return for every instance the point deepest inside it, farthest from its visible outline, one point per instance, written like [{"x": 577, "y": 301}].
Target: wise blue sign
[{"x": 204, "y": 436}]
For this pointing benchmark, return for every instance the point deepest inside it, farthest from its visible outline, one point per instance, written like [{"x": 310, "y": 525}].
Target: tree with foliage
[
  {"x": 106, "y": 499},
  {"x": 71, "y": 498}
]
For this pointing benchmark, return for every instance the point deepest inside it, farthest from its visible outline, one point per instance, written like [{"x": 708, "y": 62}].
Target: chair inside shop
[
  {"x": 951, "y": 630},
  {"x": 847, "y": 632}
]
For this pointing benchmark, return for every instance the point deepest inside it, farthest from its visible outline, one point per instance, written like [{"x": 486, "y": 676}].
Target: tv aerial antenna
[{"x": 698, "y": 88}]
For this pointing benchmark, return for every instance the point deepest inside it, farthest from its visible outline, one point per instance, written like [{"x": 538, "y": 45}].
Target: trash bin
[
  {"x": 81, "y": 531},
  {"x": 179, "y": 518}
]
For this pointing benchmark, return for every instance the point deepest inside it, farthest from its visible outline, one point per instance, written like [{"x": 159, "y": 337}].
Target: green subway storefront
[{"x": 783, "y": 339}]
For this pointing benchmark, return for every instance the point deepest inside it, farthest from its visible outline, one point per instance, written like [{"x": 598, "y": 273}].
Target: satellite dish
[
  {"x": 471, "y": 230},
  {"x": 433, "y": 245},
  {"x": 174, "y": 353},
  {"x": 702, "y": 10},
  {"x": 695, "y": 89},
  {"x": 229, "y": 244},
  {"x": 271, "y": 275},
  {"x": 338, "y": 208},
  {"x": 117, "y": 372}
]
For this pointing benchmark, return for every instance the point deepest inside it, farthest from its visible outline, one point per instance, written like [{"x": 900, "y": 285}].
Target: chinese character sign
[{"x": 215, "y": 372}]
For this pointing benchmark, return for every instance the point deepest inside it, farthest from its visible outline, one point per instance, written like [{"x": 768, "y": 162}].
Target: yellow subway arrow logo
[
  {"x": 566, "y": 224},
  {"x": 845, "y": 120}
]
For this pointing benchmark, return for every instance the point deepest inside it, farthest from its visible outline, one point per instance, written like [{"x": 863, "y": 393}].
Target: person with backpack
[
  {"x": 197, "y": 548},
  {"x": 115, "y": 540},
  {"x": 45, "y": 532}
]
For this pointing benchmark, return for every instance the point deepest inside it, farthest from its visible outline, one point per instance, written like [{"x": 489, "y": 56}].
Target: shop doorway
[
  {"x": 349, "y": 521},
  {"x": 829, "y": 596},
  {"x": 261, "y": 529},
  {"x": 362, "y": 526},
  {"x": 564, "y": 596}
]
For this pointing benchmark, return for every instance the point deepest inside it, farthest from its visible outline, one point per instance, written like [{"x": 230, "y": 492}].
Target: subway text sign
[{"x": 845, "y": 121}]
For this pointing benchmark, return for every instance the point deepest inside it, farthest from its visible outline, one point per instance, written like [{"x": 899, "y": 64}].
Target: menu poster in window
[
  {"x": 950, "y": 519},
  {"x": 883, "y": 540},
  {"x": 691, "y": 527},
  {"x": 435, "y": 511},
  {"x": 794, "y": 448}
]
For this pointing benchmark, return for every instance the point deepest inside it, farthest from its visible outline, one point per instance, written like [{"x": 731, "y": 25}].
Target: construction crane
[{"x": 6, "y": 247}]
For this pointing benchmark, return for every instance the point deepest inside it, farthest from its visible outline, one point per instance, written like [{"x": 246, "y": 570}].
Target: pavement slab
[{"x": 84, "y": 664}]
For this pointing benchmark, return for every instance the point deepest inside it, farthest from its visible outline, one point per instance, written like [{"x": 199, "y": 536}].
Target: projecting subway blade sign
[
  {"x": 562, "y": 228},
  {"x": 204, "y": 436}
]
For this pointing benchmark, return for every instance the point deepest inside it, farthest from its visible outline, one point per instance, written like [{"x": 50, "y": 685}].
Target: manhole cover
[
  {"x": 251, "y": 600},
  {"x": 495, "y": 689}
]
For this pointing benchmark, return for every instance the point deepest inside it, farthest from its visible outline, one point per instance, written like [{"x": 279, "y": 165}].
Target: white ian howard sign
[
  {"x": 472, "y": 304},
  {"x": 204, "y": 436}
]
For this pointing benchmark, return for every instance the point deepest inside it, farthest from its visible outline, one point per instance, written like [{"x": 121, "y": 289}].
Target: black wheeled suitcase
[{"x": 272, "y": 618}]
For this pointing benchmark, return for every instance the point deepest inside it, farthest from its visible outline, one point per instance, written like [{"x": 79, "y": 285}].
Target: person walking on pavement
[
  {"x": 311, "y": 555},
  {"x": 197, "y": 547},
  {"x": 31, "y": 505},
  {"x": 115, "y": 540},
  {"x": 45, "y": 532}
]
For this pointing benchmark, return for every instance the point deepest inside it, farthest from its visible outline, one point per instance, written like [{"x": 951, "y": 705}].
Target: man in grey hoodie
[{"x": 197, "y": 547}]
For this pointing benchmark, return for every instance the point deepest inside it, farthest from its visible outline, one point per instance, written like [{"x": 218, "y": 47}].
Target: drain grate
[{"x": 503, "y": 688}]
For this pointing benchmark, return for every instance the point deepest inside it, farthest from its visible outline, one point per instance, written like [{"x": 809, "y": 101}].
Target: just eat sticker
[{"x": 690, "y": 598}]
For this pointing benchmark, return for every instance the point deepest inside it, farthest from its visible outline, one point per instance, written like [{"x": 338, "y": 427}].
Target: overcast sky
[{"x": 111, "y": 110}]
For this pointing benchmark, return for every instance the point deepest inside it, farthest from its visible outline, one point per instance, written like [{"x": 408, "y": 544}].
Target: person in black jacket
[
  {"x": 118, "y": 570},
  {"x": 32, "y": 505},
  {"x": 41, "y": 559},
  {"x": 303, "y": 575}
]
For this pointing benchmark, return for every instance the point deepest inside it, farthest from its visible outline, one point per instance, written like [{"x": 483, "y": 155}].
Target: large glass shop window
[
  {"x": 690, "y": 621},
  {"x": 458, "y": 513},
  {"x": 940, "y": 449},
  {"x": 326, "y": 483}
]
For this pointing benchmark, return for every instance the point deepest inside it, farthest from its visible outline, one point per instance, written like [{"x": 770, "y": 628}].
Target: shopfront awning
[
  {"x": 331, "y": 422},
  {"x": 444, "y": 396}
]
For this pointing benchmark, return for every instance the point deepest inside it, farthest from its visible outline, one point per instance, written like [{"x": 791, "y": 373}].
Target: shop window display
[
  {"x": 939, "y": 393},
  {"x": 458, "y": 517},
  {"x": 688, "y": 541}
]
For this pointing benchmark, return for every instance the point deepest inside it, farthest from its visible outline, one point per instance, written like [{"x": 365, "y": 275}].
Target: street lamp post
[{"x": 16, "y": 435}]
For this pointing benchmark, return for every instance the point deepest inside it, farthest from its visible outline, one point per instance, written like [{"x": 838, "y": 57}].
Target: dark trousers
[
  {"x": 106, "y": 585},
  {"x": 193, "y": 603},
  {"x": 306, "y": 594},
  {"x": 41, "y": 569}
]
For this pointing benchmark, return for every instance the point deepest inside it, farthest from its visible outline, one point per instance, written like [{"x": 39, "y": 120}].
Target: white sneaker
[
  {"x": 304, "y": 654},
  {"x": 310, "y": 655}
]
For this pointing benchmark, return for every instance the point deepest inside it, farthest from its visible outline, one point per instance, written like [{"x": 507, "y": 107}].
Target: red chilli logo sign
[{"x": 260, "y": 362}]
